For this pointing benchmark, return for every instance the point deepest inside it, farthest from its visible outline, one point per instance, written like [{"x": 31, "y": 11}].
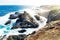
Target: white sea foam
[
  {"x": 41, "y": 23},
  {"x": 31, "y": 12},
  {"x": 4, "y": 19}
]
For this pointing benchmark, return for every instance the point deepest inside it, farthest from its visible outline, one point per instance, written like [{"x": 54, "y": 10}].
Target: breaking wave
[{"x": 6, "y": 29}]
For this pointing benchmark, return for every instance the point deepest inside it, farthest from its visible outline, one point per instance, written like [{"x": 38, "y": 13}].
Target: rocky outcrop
[{"x": 25, "y": 21}]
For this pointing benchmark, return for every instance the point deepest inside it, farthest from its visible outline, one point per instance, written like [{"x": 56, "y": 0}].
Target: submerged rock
[
  {"x": 22, "y": 31},
  {"x": 13, "y": 16},
  {"x": 37, "y": 17}
]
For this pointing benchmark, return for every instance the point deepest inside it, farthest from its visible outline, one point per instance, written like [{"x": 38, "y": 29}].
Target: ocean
[
  {"x": 5, "y": 9},
  {"x": 4, "y": 13}
]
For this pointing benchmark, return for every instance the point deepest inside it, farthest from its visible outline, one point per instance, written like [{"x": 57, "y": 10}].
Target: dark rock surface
[
  {"x": 37, "y": 17},
  {"x": 22, "y": 31},
  {"x": 16, "y": 37},
  {"x": 25, "y": 21},
  {"x": 8, "y": 22}
]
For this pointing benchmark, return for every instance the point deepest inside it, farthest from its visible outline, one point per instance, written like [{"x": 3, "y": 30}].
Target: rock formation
[{"x": 51, "y": 31}]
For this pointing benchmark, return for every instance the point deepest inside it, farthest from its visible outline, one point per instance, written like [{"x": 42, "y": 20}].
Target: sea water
[
  {"x": 4, "y": 15},
  {"x": 5, "y": 11}
]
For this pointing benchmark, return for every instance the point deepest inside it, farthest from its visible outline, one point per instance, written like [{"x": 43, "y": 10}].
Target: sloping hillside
[{"x": 50, "y": 32}]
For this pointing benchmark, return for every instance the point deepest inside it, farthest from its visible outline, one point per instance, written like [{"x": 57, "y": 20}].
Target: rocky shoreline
[{"x": 51, "y": 31}]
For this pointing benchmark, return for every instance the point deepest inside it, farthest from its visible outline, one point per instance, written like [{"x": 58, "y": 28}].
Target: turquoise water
[{"x": 5, "y": 9}]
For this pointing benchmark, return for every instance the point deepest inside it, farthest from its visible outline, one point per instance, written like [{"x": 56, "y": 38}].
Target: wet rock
[
  {"x": 24, "y": 26},
  {"x": 8, "y": 22},
  {"x": 19, "y": 20},
  {"x": 34, "y": 32},
  {"x": 22, "y": 31},
  {"x": 17, "y": 13},
  {"x": 16, "y": 37},
  {"x": 13, "y": 16},
  {"x": 37, "y": 17},
  {"x": 25, "y": 21},
  {"x": 16, "y": 26},
  {"x": 22, "y": 17}
]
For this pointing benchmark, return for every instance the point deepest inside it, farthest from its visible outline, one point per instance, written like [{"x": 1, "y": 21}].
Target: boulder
[
  {"x": 13, "y": 16},
  {"x": 25, "y": 21},
  {"x": 8, "y": 22}
]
